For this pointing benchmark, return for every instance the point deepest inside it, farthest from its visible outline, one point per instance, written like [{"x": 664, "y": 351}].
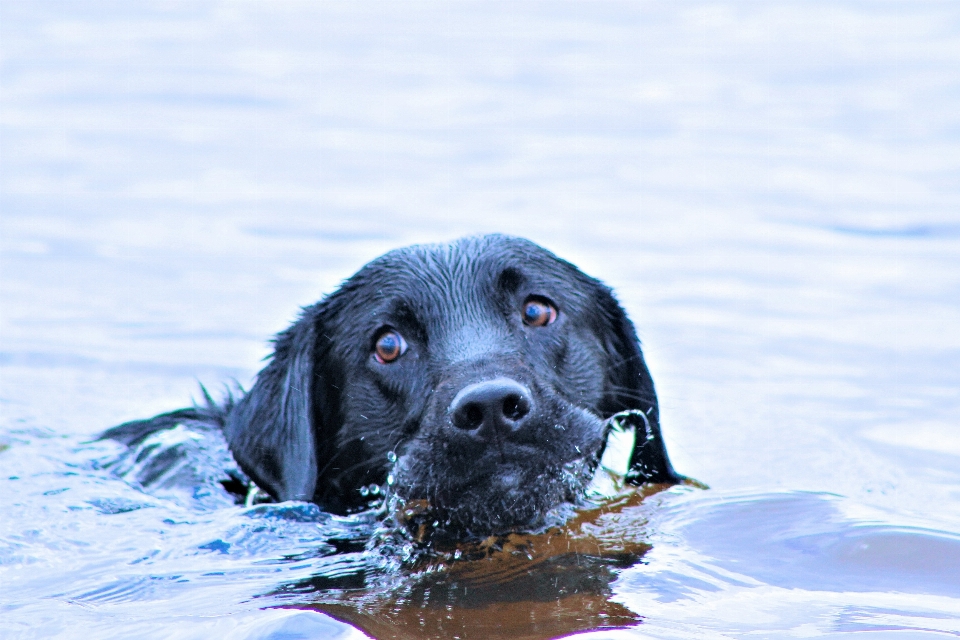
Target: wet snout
[{"x": 491, "y": 410}]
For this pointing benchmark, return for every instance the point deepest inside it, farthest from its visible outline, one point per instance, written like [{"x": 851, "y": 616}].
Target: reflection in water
[
  {"x": 514, "y": 586},
  {"x": 100, "y": 550},
  {"x": 543, "y": 602}
]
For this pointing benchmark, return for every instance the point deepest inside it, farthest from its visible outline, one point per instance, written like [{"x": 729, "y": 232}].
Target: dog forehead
[
  {"x": 465, "y": 271},
  {"x": 446, "y": 291},
  {"x": 438, "y": 288}
]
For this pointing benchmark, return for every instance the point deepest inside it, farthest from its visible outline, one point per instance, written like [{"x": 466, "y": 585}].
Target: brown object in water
[{"x": 516, "y": 587}]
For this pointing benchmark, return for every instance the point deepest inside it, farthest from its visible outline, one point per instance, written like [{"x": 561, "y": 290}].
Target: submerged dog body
[{"x": 475, "y": 376}]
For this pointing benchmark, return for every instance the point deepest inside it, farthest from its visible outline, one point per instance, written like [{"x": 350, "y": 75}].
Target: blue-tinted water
[{"x": 771, "y": 188}]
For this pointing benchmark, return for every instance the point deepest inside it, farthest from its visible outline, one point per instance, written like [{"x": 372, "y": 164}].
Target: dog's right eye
[
  {"x": 389, "y": 346},
  {"x": 538, "y": 312}
]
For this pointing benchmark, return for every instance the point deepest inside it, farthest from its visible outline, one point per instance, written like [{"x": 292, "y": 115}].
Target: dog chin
[{"x": 514, "y": 498}]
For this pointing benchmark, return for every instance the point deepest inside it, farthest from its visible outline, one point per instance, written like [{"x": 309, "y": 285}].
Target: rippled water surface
[{"x": 772, "y": 189}]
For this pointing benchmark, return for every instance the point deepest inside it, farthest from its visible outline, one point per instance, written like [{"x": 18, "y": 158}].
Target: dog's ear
[
  {"x": 629, "y": 386},
  {"x": 271, "y": 431}
]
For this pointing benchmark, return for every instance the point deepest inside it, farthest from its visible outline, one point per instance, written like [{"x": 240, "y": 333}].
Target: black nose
[{"x": 491, "y": 407}]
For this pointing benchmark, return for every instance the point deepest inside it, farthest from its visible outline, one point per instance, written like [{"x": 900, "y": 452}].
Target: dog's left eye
[
  {"x": 538, "y": 312},
  {"x": 389, "y": 346}
]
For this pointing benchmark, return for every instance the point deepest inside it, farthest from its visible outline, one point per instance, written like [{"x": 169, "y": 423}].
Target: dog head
[{"x": 477, "y": 375}]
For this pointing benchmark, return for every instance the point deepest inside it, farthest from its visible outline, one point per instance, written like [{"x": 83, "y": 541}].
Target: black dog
[{"x": 475, "y": 376}]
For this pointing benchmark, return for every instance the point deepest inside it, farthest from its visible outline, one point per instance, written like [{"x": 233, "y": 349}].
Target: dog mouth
[
  {"x": 495, "y": 504},
  {"x": 518, "y": 496},
  {"x": 503, "y": 489}
]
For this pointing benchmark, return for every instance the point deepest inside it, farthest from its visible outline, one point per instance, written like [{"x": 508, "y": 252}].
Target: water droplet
[
  {"x": 391, "y": 456},
  {"x": 391, "y": 479},
  {"x": 364, "y": 492}
]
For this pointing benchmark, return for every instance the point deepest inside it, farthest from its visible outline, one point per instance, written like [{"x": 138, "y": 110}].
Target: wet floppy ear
[
  {"x": 271, "y": 431},
  {"x": 629, "y": 386}
]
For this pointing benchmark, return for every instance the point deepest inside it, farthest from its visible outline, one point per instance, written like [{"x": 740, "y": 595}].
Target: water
[{"x": 772, "y": 189}]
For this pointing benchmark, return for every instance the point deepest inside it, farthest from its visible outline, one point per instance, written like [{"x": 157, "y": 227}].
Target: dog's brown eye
[
  {"x": 538, "y": 312},
  {"x": 390, "y": 345}
]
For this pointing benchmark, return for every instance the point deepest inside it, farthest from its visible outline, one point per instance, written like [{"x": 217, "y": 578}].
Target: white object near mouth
[{"x": 609, "y": 478}]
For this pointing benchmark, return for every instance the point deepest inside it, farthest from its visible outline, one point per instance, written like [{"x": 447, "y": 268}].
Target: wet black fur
[{"x": 324, "y": 418}]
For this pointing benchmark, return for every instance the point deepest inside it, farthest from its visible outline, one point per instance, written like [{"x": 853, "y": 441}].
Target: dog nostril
[
  {"x": 514, "y": 407},
  {"x": 510, "y": 404},
  {"x": 470, "y": 417}
]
